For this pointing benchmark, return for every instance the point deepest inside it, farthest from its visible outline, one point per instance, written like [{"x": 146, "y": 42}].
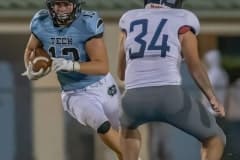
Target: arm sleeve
[
  {"x": 95, "y": 25},
  {"x": 34, "y": 24},
  {"x": 122, "y": 23},
  {"x": 193, "y": 22}
]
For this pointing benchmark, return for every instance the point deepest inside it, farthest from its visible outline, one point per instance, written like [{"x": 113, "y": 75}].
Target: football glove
[
  {"x": 31, "y": 75},
  {"x": 61, "y": 64}
]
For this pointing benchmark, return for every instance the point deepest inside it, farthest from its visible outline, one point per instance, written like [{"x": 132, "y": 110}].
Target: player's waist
[
  {"x": 73, "y": 83},
  {"x": 136, "y": 81},
  {"x": 84, "y": 85},
  {"x": 152, "y": 84}
]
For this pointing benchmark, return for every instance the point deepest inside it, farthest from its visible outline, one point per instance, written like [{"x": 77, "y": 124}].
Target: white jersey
[{"x": 152, "y": 47}]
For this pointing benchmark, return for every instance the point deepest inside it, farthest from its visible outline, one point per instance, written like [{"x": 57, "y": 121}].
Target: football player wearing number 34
[
  {"x": 153, "y": 42},
  {"x": 74, "y": 39}
]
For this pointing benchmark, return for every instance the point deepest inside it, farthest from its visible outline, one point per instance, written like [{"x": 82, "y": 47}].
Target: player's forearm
[
  {"x": 27, "y": 55},
  {"x": 200, "y": 76},
  {"x": 94, "y": 68},
  {"x": 121, "y": 57},
  {"x": 121, "y": 75},
  {"x": 33, "y": 43},
  {"x": 121, "y": 71}
]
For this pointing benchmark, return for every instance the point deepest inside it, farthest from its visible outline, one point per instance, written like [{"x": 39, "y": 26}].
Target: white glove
[
  {"x": 31, "y": 75},
  {"x": 59, "y": 64}
]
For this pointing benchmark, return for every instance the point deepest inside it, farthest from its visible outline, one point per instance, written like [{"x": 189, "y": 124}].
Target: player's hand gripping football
[
  {"x": 217, "y": 107},
  {"x": 31, "y": 75},
  {"x": 61, "y": 64}
]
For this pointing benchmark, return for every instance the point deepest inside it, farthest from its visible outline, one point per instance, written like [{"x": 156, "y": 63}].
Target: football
[{"x": 40, "y": 59}]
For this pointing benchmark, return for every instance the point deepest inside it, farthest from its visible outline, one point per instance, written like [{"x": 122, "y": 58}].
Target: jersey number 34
[{"x": 163, "y": 48}]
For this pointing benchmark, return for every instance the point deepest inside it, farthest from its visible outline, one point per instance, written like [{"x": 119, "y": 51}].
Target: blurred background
[{"x": 33, "y": 125}]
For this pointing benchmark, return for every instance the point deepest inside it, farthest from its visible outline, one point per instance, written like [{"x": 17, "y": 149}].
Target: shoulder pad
[
  {"x": 93, "y": 21},
  {"x": 39, "y": 16},
  {"x": 123, "y": 20},
  {"x": 43, "y": 13},
  {"x": 192, "y": 21}
]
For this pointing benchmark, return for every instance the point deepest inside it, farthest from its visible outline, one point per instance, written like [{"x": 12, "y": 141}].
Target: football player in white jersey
[
  {"x": 74, "y": 39},
  {"x": 153, "y": 42}
]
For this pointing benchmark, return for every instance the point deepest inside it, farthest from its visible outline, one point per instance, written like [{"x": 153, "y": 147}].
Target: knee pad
[{"x": 104, "y": 128}]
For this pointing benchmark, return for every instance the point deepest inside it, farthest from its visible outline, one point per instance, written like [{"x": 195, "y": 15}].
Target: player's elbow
[
  {"x": 195, "y": 66},
  {"x": 104, "y": 69}
]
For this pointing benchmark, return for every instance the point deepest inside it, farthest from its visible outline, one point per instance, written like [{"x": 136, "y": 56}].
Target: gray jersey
[{"x": 152, "y": 47}]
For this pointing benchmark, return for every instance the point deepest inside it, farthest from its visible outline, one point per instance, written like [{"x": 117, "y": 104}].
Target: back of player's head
[{"x": 169, "y": 3}]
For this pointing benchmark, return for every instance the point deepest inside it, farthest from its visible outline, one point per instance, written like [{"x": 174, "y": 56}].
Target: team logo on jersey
[{"x": 112, "y": 90}]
